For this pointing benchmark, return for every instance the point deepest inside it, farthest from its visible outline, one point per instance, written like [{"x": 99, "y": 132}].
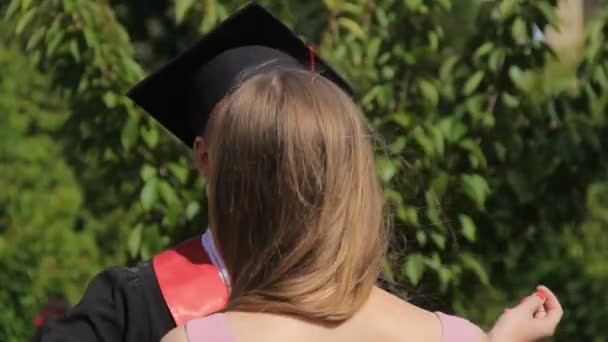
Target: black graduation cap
[{"x": 182, "y": 93}]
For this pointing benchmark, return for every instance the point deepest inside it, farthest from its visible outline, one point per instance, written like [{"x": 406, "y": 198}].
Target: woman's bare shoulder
[
  {"x": 400, "y": 318},
  {"x": 176, "y": 335}
]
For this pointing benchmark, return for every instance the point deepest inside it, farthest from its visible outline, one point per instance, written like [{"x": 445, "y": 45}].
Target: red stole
[{"x": 191, "y": 285}]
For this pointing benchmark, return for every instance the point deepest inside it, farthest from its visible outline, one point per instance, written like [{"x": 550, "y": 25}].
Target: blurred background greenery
[{"x": 494, "y": 115}]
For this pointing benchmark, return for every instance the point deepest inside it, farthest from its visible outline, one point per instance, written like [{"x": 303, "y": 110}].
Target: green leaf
[
  {"x": 352, "y": 8},
  {"x": 24, "y": 20},
  {"x": 388, "y": 72},
  {"x": 148, "y": 172},
  {"x": 476, "y": 188},
  {"x": 413, "y": 5},
  {"x": 483, "y": 50},
  {"x": 433, "y": 41},
  {"x": 73, "y": 44},
  {"x": 507, "y": 8},
  {"x": 469, "y": 262},
  {"x": 447, "y": 68},
  {"x": 398, "y": 145},
  {"x": 476, "y": 155},
  {"x": 510, "y": 100},
  {"x": 130, "y": 132},
  {"x": 68, "y": 5},
  {"x": 179, "y": 171},
  {"x": 424, "y": 141},
  {"x": 212, "y": 14},
  {"x": 414, "y": 268},
  {"x": 433, "y": 212},
  {"x": 330, "y": 4},
  {"x": 438, "y": 141},
  {"x": 469, "y": 230},
  {"x": 446, "y": 5},
  {"x": 181, "y": 8},
  {"x": 192, "y": 209},
  {"x": 35, "y": 38},
  {"x": 386, "y": 168},
  {"x": 548, "y": 11},
  {"x": 167, "y": 193},
  {"x": 408, "y": 215},
  {"x": 149, "y": 194},
  {"x": 473, "y": 82},
  {"x": 387, "y": 271},
  {"x": 421, "y": 237},
  {"x": 109, "y": 99},
  {"x": 439, "y": 240},
  {"x": 134, "y": 242},
  {"x": 439, "y": 184},
  {"x": 352, "y": 26},
  {"x": 429, "y": 92},
  {"x": 54, "y": 42},
  {"x": 501, "y": 151},
  {"x": 393, "y": 196},
  {"x": 373, "y": 48},
  {"x": 496, "y": 60},
  {"x": 12, "y": 8},
  {"x": 519, "y": 31},
  {"x": 150, "y": 136},
  {"x": 25, "y": 4},
  {"x": 519, "y": 78},
  {"x": 452, "y": 129},
  {"x": 403, "y": 119}
]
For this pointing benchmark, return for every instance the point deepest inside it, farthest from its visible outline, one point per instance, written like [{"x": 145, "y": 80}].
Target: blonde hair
[{"x": 295, "y": 197}]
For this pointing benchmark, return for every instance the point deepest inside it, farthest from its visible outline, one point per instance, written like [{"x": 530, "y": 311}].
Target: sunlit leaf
[
  {"x": 468, "y": 228},
  {"x": 181, "y": 8},
  {"x": 414, "y": 268},
  {"x": 149, "y": 194},
  {"x": 472, "y": 264},
  {"x": 135, "y": 238},
  {"x": 429, "y": 92},
  {"x": 476, "y": 188},
  {"x": 25, "y": 20},
  {"x": 473, "y": 82},
  {"x": 352, "y": 27}
]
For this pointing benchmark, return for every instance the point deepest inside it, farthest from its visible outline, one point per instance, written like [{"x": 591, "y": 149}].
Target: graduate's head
[{"x": 294, "y": 197}]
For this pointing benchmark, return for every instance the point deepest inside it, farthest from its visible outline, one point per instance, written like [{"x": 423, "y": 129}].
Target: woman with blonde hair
[{"x": 300, "y": 217}]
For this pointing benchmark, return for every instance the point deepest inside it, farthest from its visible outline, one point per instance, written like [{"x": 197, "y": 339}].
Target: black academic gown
[{"x": 120, "y": 304}]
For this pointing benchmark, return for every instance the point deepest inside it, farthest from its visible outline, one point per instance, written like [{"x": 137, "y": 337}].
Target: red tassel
[{"x": 311, "y": 52}]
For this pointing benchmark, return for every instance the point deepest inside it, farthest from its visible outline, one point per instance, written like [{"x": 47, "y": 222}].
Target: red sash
[{"x": 191, "y": 285}]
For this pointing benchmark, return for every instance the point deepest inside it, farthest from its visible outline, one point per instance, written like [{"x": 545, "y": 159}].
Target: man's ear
[{"x": 200, "y": 152}]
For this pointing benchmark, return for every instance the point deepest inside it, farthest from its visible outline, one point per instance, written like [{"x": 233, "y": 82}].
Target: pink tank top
[{"x": 214, "y": 328}]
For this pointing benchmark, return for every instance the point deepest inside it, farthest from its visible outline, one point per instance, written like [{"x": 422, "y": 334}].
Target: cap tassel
[{"x": 311, "y": 52}]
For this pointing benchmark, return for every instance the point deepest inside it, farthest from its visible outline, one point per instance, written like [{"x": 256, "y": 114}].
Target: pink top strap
[
  {"x": 213, "y": 328},
  {"x": 456, "y": 329}
]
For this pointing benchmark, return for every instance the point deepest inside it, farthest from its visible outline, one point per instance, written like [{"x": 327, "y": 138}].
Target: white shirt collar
[{"x": 209, "y": 247}]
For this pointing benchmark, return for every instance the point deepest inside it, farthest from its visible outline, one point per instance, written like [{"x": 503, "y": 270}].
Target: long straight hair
[{"x": 294, "y": 198}]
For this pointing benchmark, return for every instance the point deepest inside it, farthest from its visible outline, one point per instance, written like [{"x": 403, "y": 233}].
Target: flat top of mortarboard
[{"x": 182, "y": 93}]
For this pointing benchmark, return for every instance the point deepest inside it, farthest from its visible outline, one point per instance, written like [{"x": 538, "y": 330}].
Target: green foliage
[
  {"x": 41, "y": 248},
  {"x": 491, "y": 158}
]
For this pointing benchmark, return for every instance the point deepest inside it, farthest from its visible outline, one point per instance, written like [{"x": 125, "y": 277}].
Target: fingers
[
  {"x": 541, "y": 313},
  {"x": 552, "y": 306},
  {"x": 531, "y": 304}
]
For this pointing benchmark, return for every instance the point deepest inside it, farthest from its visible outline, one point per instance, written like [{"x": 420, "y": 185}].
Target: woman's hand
[{"x": 535, "y": 318}]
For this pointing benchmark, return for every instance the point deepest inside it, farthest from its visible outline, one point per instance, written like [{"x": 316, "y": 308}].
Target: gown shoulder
[{"x": 120, "y": 304}]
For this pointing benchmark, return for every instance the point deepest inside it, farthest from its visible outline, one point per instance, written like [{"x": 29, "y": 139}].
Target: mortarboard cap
[{"x": 182, "y": 93}]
